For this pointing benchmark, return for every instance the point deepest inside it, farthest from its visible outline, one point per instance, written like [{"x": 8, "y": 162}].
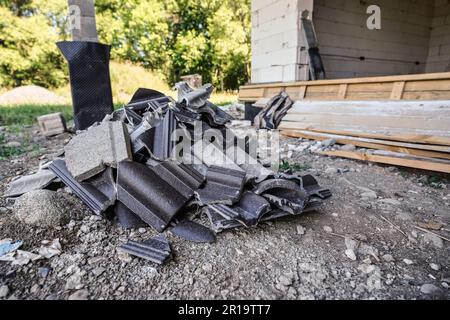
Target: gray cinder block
[
  {"x": 88, "y": 153},
  {"x": 52, "y": 124}
]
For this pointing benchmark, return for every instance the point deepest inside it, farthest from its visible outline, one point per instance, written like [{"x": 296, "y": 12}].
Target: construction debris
[
  {"x": 88, "y": 153},
  {"x": 156, "y": 250},
  {"x": 44, "y": 208},
  {"x": 273, "y": 111},
  {"x": 52, "y": 124},
  {"x": 162, "y": 163},
  {"x": 39, "y": 180},
  {"x": 7, "y": 246}
]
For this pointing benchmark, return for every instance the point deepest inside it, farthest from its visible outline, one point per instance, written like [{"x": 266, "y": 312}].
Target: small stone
[
  {"x": 123, "y": 256},
  {"x": 43, "y": 208},
  {"x": 369, "y": 195},
  {"x": 43, "y": 272},
  {"x": 429, "y": 238},
  {"x": 335, "y": 215},
  {"x": 13, "y": 144},
  {"x": 366, "y": 268},
  {"x": 445, "y": 285},
  {"x": 330, "y": 170},
  {"x": 328, "y": 229},
  {"x": 429, "y": 289},
  {"x": 392, "y": 202},
  {"x": 350, "y": 254},
  {"x": 79, "y": 295},
  {"x": 3, "y": 210},
  {"x": 388, "y": 258},
  {"x": 98, "y": 271},
  {"x": 35, "y": 288},
  {"x": 408, "y": 262},
  {"x": 435, "y": 266},
  {"x": 301, "y": 230},
  {"x": 351, "y": 244},
  {"x": 142, "y": 230},
  {"x": 285, "y": 281},
  {"x": 328, "y": 143},
  {"x": 84, "y": 228},
  {"x": 207, "y": 267},
  {"x": 348, "y": 147},
  {"x": 414, "y": 234},
  {"x": 4, "y": 291}
]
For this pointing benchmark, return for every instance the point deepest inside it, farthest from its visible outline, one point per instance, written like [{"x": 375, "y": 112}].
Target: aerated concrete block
[
  {"x": 52, "y": 124},
  {"x": 88, "y": 153}
]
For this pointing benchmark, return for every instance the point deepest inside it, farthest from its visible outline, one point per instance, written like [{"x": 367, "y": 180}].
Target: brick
[
  {"x": 52, "y": 124},
  {"x": 89, "y": 152}
]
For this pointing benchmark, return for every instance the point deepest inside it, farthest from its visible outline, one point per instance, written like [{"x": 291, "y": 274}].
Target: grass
[
  {"x": 294, "y": 167},
  {"x": 127, "y": 78},
  {"x": 26, "y": 146},
  {"x": 27, "y": 114}
]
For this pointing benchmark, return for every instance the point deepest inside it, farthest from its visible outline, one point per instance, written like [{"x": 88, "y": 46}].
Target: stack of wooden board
[
  {"x": 413, "y": 134},
  {"x": 431, "y": 86}
]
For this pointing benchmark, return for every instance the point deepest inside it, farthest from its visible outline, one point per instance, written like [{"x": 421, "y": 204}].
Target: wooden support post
[
  {"x": 397, "y": 91},
  {"x": 343, "y": 91},
  {"x": 82, "y": 20},
  {"x": 302, "y": 92}
]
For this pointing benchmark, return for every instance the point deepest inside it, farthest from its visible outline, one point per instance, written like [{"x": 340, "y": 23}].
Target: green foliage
[
  {"x": 293, "y": 167},
  {"x": 173, "y": 37},
  {"x": 27, "y": 51},
  {"x": 26, "y": 146}
]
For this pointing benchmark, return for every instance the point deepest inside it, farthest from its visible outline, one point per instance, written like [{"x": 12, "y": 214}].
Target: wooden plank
[
  {"x": 417, "y": 77},
  {"x": 366, "y": 143},
  {"x": 444, "y": 141},
  {"x": 252, "y": 93},
  {"x": 402, "y": 162},
  {"x": 397, "y": 90},
  {"x": 427, "y": 95},
  {"x": 428, "y": 85},
  {"x": 369, "y": 121},
  {"x": 302, "y": 93},
  {"x": 342, "y": 91}
]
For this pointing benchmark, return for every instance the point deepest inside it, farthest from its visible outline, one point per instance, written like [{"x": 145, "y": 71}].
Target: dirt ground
[{"x": 301, "y": 257}]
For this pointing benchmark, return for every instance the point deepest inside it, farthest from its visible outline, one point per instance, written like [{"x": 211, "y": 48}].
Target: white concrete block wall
[
  {"x": 276, "y": 41},
  {"x": 415, "y": 38},
  {"x": 344, "y": 37},
  {"x": 439, "y": 46}
]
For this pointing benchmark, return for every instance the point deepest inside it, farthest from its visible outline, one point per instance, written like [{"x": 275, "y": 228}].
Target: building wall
[
  {"x": 277, "y": 54},
  {"x": 439, "y": 46},
  {"x": 400, "y": 47}
]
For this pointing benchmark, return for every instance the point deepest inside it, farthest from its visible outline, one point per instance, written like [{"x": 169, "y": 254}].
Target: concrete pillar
[
  {"x": 278, "y": 50},
  {"x": 82, "y": 20}
]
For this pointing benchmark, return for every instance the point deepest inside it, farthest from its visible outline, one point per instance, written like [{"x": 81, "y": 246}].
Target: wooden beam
[
  {"x": 397, "y": 90},
  {"x": 412, "y": 138},
  {"x": 432, "y": 86},
  {"x": 342, "y": 91},
  {"x": 416, "y": 77},
  {"x": 367, "y": 143},
  {"x": 402, "y": 162}
]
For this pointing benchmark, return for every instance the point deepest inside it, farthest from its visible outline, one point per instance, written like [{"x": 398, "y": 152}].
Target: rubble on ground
[{"x": 126, "y": 167}]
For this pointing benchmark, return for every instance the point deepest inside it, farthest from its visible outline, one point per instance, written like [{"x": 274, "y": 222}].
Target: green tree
[
  {"x": 176, "y": 37},
  {"x": 27, "y": 49}
]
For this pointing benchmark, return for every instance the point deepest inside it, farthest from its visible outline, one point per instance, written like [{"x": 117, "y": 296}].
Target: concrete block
[
  {"x": 88, "y": 153},
  {"x": 52, "y": 124},
  {"x": 271, "y": 74}
]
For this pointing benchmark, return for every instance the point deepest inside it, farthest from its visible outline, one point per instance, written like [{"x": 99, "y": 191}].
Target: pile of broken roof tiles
[{"x": 122, "y": 167}]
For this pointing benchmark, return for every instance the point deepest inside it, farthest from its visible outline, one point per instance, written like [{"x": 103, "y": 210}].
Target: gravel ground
[{"x": 345, "y": 250}]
